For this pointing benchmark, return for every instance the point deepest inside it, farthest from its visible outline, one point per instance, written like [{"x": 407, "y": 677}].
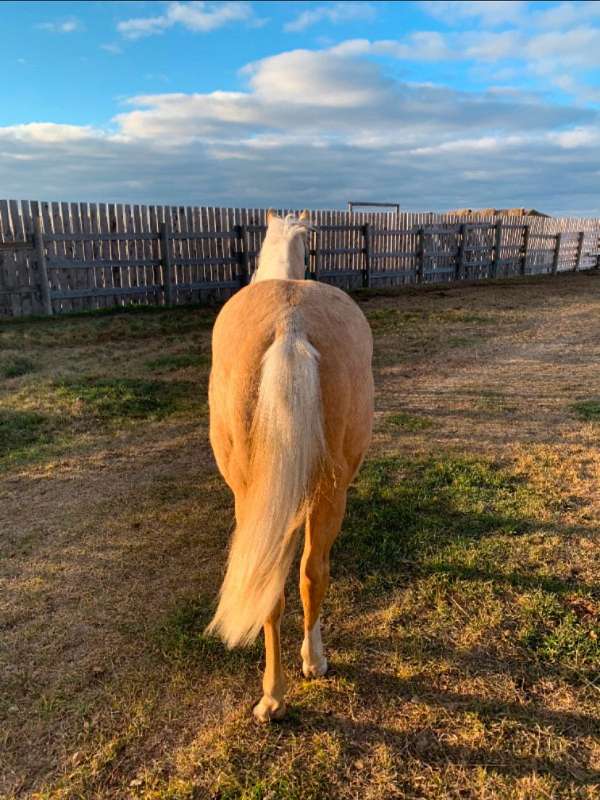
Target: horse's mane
[
  {"x": 293, "y": 225},
  {"x": 281, "y": 240}
]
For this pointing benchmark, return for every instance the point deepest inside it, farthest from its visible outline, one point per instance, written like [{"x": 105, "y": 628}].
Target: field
[{"x": 463, "y": 620}]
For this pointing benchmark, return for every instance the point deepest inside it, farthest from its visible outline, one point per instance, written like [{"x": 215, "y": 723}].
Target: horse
[{"x": 291, "y": 410}]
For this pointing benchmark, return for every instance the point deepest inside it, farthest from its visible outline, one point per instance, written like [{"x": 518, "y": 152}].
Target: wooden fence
[{"x": 60, "y": 257}]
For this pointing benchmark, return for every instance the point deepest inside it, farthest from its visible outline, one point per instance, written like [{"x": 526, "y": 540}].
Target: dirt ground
[{"x": 463, "y": 620}]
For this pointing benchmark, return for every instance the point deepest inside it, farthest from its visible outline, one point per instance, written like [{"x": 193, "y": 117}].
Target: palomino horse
[{"x": 291, "y": 407}]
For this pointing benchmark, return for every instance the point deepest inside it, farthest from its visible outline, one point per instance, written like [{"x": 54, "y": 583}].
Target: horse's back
[{"x": 331, "y": 320}]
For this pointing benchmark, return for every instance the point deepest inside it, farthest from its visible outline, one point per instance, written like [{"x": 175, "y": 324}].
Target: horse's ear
[
  {"x": 270, "y": 213},
  {"x": 304, "y": 214}
]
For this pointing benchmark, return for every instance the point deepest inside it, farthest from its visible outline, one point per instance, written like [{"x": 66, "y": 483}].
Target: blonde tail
[{"x": 288, "y": 443}]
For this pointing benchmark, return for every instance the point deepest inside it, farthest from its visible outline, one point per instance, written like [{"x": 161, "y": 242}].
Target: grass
[
  {"x": 408, "y": 422},
  {"x": 588, "y": 410},
  {"x": 180, "y": 637},
  {"x": 462, "y": 620},
  {"x": 408, "y": 334},
  {"x": 15, "y": 366},
  {"x": 560, "y": 634},
  {"x": 20, "y": 430},
  {"x": 122, "y": 398},
  {"x": 103, "y": 328},
  {"x": 177, "y": 361},
  {"x": 433, "y": 514},
  {"x": 388, "y": 319}
]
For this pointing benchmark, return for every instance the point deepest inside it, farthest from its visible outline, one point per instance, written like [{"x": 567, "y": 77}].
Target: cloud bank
[{"x": 318, "y": 128}]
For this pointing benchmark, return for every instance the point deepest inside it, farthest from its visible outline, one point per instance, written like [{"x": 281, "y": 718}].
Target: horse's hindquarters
[{"x": 245, "y": 329}]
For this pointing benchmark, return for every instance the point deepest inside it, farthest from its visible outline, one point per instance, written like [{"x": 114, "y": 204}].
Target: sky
[{"x": 432, "y": 105}]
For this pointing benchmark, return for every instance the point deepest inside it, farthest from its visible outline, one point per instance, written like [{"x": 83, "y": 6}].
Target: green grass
[
  {"x": 180, "y": 637},
  {"x": 175, "y": 361},
  {"x": 558, "y": 634},
  {"x": 15, "y": 366},
  {"x": 403, "y": 508},
  {"x": 122, "y": 398},
  {"x": 22, "y": 430},
  {"x": 407, "y": 422},
  {"x": 588, "y": 410}
]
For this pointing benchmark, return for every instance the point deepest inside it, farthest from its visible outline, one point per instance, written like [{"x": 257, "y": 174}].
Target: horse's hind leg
[
  {"x": 322, "y": 526},
  {"x": 272, "y": 704}
]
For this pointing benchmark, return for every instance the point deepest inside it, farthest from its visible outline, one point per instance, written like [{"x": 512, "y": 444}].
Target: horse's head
[{"x": 283, "y": 252}]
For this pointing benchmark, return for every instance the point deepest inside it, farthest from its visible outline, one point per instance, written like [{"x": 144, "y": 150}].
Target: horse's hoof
[
  {"x": 316, "y": 670},
  {"x": 269, "y": 709}
]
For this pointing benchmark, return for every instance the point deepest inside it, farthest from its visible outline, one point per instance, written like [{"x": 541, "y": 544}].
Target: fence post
[
  {"x": 167, "y": 262},
  {"x": 241, "y": 255},
  {"x": 366, "y": 272},
  {"x": 420, "y": 254},
  {"x": 38, "y": 239},
  {"x": 314, "y": 273},
  {"x": 524, "y": 250},
  {"x": 460, "y": 258},
  {"x": 497, "y": 246},
  {"x": 556, "y": 256},
  {"x": 579, "y": 250}
]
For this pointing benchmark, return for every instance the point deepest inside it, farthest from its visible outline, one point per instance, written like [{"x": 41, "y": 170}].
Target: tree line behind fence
[{"x": 60, "y": 257}]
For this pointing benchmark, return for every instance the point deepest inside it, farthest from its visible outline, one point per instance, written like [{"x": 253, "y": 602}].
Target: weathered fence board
[{"x": 60, "y": 257}]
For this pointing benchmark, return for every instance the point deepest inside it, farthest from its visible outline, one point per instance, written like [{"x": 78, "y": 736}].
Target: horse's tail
[{"x": 288, "y": 443}]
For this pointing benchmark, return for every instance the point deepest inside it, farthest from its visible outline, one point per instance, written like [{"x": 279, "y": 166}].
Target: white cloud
[
  {"x": 485, "y": 46},
  {"x": 48, "y": 132},
  {"x": 578, "y": 47},
  {"x": 489, "y": 12},
  {"x": 196, "y": 16},
  {"x": 70, "y": 25},
  {"x": 566, "y": 14},
  {"x": 484, "y": 144},
  {"x": 143, "y": 26},
  {"x": 305, "y": 77},
  {"x": 436, "y": 46},
  {"x": 584, "y": 94},
  {"x": 199, "y": 16},
  {"x": 334, "y": 13},
  {"x": 576, "y": 138},
  {"x": 111, "y": 47},
  {"x": 417, "y": 46}
]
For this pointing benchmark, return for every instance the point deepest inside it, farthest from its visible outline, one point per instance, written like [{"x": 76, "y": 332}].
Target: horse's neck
[
  {"x": 279, "y": 270},
  {"x": 279, "y": 263}
]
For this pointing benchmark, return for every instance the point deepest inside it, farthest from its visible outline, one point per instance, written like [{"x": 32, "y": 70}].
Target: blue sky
[{"x": 435, "y": 105}]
